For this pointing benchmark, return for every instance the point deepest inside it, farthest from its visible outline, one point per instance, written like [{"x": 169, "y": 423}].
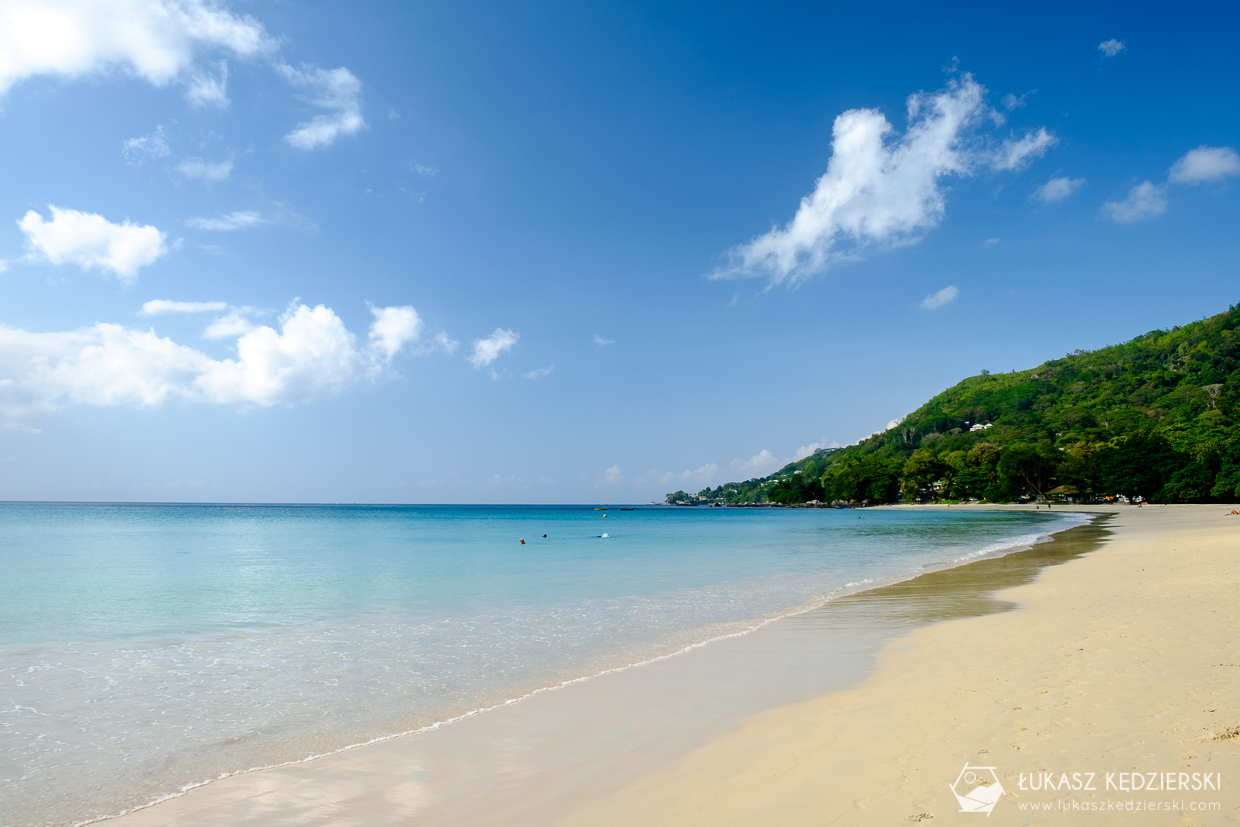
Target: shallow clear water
[{"x": 144, "y": 648}]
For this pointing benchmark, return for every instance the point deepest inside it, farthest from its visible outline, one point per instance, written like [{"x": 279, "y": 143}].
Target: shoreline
[
  {"x": 198, "y": 801},
  {"x": 1122, "y": 663}
]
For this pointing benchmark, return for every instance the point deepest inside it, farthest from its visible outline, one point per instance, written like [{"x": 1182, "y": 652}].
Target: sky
[{"x": 449, "y": 252}]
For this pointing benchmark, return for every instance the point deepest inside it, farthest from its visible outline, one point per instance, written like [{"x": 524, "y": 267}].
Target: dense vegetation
[{"x": 1153, "y": 418}]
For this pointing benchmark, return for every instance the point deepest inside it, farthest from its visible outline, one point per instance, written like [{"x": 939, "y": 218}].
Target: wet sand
[{"x": 558, "y": 754}]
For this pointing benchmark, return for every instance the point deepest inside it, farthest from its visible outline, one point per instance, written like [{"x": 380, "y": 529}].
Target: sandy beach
[
  {"x": 1122, "y": 661},
  {"x": 1108, "y": 652}
]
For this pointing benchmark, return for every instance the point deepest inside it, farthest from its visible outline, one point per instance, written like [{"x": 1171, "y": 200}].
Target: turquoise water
[{"x": 147, "y": 648}]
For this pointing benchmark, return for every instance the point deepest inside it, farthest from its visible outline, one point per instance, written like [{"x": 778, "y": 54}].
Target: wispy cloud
[
  {"x": 878, "y": 191},
  {"x": 156, "y": 307},
  {"x": 691, "y": 478},
  {"x": 759, "y": 465},
  {"x": 939, "y": 298},
  {"x": 1112, "y": 47},
  {"x": 1016, "y": 153},
  {"x": 91, "y": 241},
  {"x": 1012, "y": 102},
  {"x": 209, "y": 88},
  {"x": 237, "y": 220},
  {"x": 338, "y": 92},
  {"x": 601, "y": 342},
  {"x": 1144, "y": 201},
  {"x": 540, "y": 372},
  {"x": 198, "y": 169},
  {"x": 1058, "y": 188},
  {"x": 144, "y": 148},
  {"x": 442, "y": 341},
  {"x": 421, "y": 169},
  {"x": 489, "y": 349}
]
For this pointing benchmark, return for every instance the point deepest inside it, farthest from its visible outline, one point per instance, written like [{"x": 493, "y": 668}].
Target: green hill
[{"x": 1153, "y": 418}]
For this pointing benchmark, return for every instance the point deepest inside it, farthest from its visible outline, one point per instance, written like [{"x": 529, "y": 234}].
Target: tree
[
  {"x": 1079, "y": 467},
  {"x": 1138, "y": 466},
  {"x": 1026, "y": 469},
  {"x": 921, "y": 471}
]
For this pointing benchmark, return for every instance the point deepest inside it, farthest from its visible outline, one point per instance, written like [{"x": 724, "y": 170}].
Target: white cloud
[
  {"x": 90, "y": 240},
  {"x": 101, "y": 365},
  {"x": 336, "y": 90},
  {"x": 232, "y": 324},
  {"x": 421, "y": 169},
  {"x": 937, "y": 299},
  {"x": 206, "y": 89},
  {"x": 237, "y": 220},
  {"x": 442, "y": 341},
  {"x": 613, "y": 475},
  {"x": 893, "y": 423},
  {"x": 393, "y": 328},
  {"x": 310, "y": 356},
  {"x": 601, "y": 342},
  {"x": 1011, "y": 102},
  {"x": 759, "y": 465},
  {"x": 157, "y": 40},
  {"x": 146, "y": 147},
  {"x": 1148, "y": 200},
  {"x": 690, "y": 478},
  {"x": 1144, "y": 201},
  {"x": 212, "y": 172},
  {"x": 1058, "y": 188},
  {"x": 492, "y": 347},
  {"x": 764, "y": 462},
  {"x": 1016, "y": 153},
  {"x": 4, "y": 265},
  {"x": 883, "y": 192},
  {"x": 1205, "y": 163},
  {"x": 157, "y": 306},
  {"x": 700, "y": 475},
  {"x": 540, "y": 372},
  {"x": 806, "y": 450},
  {"x": 1112, "y": 47}
]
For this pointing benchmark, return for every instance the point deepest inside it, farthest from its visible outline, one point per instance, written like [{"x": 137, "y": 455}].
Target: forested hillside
[{"x": 1153, "y": 418}]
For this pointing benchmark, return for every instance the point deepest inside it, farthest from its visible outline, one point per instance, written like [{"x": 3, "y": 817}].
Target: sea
[{"x": 146, "y": 649}]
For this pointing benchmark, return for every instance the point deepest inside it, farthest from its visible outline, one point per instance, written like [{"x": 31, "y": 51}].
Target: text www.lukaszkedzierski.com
[{"x": 1127, "y": 805}]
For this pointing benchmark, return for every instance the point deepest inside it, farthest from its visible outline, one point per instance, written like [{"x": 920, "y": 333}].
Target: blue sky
[{"x": 564, "y": 252}]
